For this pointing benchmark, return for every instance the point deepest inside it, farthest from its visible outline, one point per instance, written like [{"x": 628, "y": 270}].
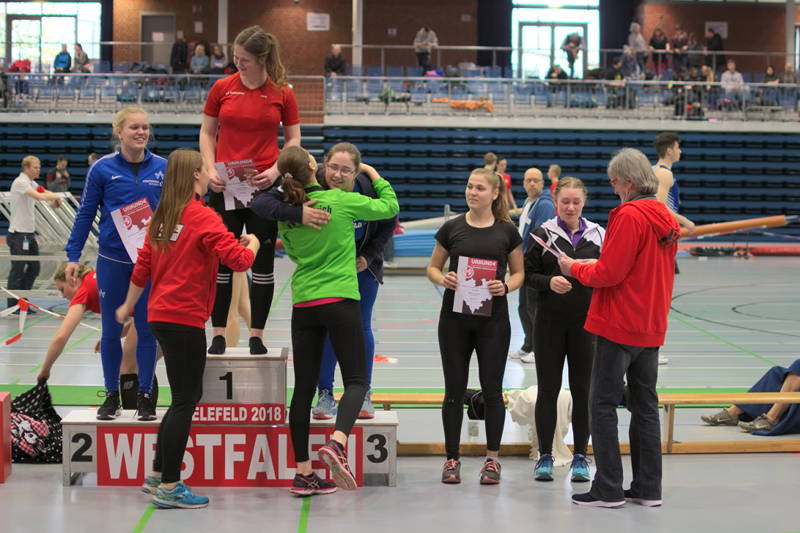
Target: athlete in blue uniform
[{"x": 118, "y": 179}]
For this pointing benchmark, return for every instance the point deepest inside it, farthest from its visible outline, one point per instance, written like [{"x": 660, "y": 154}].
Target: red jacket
[
  {"x": 633, "y": 277},
  {"x": 184, "y": 279}
]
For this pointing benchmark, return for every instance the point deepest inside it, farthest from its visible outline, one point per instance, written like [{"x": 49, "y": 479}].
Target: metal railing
[{"x": 573, "y": 98}]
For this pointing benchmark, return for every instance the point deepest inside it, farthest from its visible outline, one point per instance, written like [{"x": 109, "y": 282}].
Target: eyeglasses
[{"x": 344, "y": 171}]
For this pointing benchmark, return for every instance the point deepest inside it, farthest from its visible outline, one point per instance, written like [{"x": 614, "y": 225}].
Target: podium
[
  {"x": 5, "y": 436},
  {"x": 239, "y": 436}
]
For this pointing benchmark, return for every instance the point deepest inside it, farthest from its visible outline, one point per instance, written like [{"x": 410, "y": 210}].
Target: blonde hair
[
  {"x": 30, "y": 160},
  {"x": 495, "y": 180},
  {"x": 570, "y": 183},
  {"x": 122, "y": 115},
  {"x": 61, "y": 271},
  {"x": 176, "y": 193},
  {"x": 489, "y": 158},
  {"x": 264, "y": 46},
  {"x": 556, "y": 169}
]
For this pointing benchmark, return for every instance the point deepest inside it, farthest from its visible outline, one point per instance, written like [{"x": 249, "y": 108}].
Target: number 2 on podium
[{"x": 228, "y": 379}]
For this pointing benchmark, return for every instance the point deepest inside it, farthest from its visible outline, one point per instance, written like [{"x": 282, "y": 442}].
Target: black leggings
[
  {"x": 263, "y": 286},
  {"x": 184, "y": 350},
  {"x": 554, "y": 340},
  {"x": 342, "y": 321},
  {"x": 489, "y": 338}
]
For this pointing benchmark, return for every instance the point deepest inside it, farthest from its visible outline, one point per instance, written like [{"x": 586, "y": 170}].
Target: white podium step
[{"x": 121, "y": 451}]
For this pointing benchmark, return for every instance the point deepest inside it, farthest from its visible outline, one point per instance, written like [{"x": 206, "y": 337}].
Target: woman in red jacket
[
  {"x": 241, "y": 119},
  {"x": 183, "y": 231}
]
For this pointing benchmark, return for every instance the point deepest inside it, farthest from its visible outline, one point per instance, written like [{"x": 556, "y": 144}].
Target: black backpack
[{"x": 35, "y": 427}]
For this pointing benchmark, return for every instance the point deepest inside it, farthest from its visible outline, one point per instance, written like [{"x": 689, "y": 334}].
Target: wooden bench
[{"x": 669, "y": 400}]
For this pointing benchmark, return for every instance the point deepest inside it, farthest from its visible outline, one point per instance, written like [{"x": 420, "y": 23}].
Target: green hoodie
[{"x": 326, "y": 258}]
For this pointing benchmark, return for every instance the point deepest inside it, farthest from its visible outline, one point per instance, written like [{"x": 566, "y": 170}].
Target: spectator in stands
[
  {"x": 483, "y": 236},
  {"x": 217, "y": 61},
  {"x": 562, "y": 305},
  {"x": 81, "y": 63},
  {"x": 178, "y": 56},
  {"x": 628, "y": 68},
  {"x": 789, "y": 75},
  {"x": 556, "y": 73},
  {"x": 538, "y": 208},
  {"x": 424, "y": 42},
  {"x": 659, "y": 48},
  {"x": 732, "y": 83},
  {"x": 713, "y": 47},
  {"x": 572, "y": 46},
  {"x": 765, "y": 419},
  {"x": 694, "y": 52},
  {"x": 58, "y": 178},
  {"x": 335, "y": 64},
  {"x": 553, "y": 174},
  {"x": 679, "y": 45},
  {"x": 770, "y": 76},
  {"x": 199, "y": 64},
  {"x": 638, "y": 45},
  {"x": 231, "y": 132},
  {"x": 490, "y": 161},
  {"x": 707, "y": 74},
  {"x": 632, "y": 284},
  {"x": 501, "y": 169},
  {"x": 21, "y": 237},
  {"x": 63, "y": 61}
]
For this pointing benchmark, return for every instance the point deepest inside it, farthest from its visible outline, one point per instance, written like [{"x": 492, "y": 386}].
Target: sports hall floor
[{"x": 732, "y": 319}]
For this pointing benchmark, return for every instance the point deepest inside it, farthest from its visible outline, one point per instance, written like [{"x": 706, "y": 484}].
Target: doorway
[
  {"x": 159, "y": 29},
  {"x": 541, "y": 47}
]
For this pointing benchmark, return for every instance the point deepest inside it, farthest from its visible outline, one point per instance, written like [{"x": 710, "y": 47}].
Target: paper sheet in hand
[
  {"x": 553, "y": 249},
  {"x": 472, "y": 297},
  {"x": 131, "y": 222},
  {"x": 238, "y": 191}
]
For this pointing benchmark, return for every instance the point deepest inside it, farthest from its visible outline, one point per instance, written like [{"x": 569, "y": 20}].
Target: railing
[
  {"x": 399, "y": 95},
  {"x": 572, "y": 98},
  {"x": 157, "y": 92}
]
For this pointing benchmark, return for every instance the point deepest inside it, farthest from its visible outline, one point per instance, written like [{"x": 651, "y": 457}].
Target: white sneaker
[
  {"x": 662, "y": 360},
  {"x": 528, "y": 358},
  {"x": 516, "y": 354}
]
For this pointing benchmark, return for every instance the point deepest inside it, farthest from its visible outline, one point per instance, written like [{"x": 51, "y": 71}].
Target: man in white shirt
[
  {"x": 732, "y": 83},
  {"x": 538, "y": 207},
  {"x": 424, "y": 41},
  {"x": 21, "y": 238}
]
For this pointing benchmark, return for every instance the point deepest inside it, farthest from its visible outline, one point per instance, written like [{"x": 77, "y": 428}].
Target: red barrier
[{"x": 5, "y": 436}]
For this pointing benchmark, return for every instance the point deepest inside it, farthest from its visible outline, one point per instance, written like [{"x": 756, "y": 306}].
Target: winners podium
[{"x": 239, "y": 436}]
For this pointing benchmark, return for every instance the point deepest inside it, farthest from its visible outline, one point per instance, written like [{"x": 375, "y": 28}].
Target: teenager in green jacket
[{"x": 325, "y": 299}]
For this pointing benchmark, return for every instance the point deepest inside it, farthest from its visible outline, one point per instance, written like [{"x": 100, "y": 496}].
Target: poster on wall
[
  {"x": 318, "y": 21},
  {"x": 720, "y": 27}
]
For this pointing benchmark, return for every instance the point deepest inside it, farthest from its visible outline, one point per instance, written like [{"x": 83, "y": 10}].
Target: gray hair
[
  {"x": 635, "y": 26},
  {"x": 632, "y": 166}
]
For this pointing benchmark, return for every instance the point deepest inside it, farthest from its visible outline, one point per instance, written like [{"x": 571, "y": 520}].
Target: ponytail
[
  {"x": 293, "y": 164},
  {"x": 495, "y": 181}
]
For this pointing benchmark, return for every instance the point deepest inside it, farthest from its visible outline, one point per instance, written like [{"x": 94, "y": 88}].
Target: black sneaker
[
  {"x": 145, "y": 407},
  {"x": 588, "y": 500},
  {"x": 490, "y": 472},
  {"x": 451, "y": 471},
  {"x": 257, "y": 346},
  {"x": 335, "y": 458},
  {"x": 647, "y": 502},
  {"x": 217, "y": 345},
  {"x": 311, "y": 485},
  {"x": 110, "y": 408}
]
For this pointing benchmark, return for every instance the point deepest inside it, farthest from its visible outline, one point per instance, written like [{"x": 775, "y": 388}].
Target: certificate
[
  {"x": 472, "y": 296},
  {"x": 238, "y": 193},
  {"x": 131, "y": 222}
]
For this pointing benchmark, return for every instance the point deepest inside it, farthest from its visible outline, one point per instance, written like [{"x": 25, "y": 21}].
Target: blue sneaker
[
  {"x": 326, "y": 406},
  {"x": 367, "y": 409},
  {"x": 580, "y": 468},
  {"x": 178, "y": 498},
  {"x": 151, "y": 484},
  {"x": 544, "y": 468}
]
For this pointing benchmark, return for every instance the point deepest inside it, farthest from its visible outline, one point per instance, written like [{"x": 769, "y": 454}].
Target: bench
[{"x": 669, "y": 400}]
